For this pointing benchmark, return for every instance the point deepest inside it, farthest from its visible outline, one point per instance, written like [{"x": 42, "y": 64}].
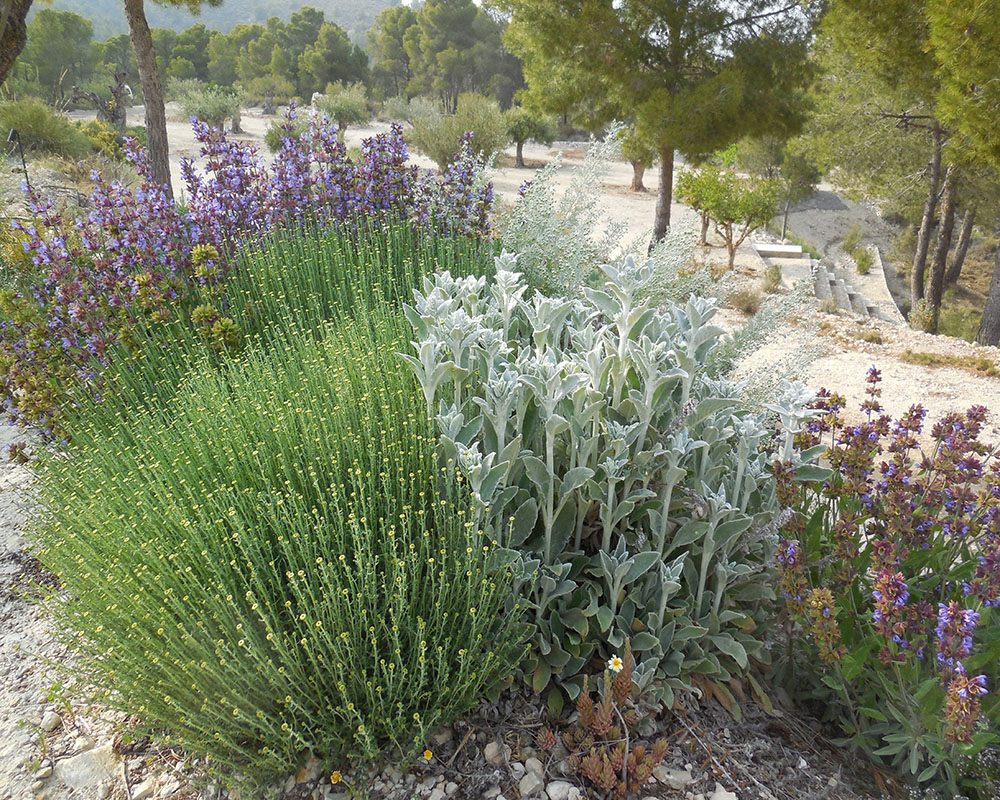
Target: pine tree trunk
[
  {"x": 638, "y": 170},
  {"x": 13, "y": 33},
  {"x": 989, "y": 327},
  {"x": 964, "y": 240},
  {"x": 666, "y": 193},
  {"x": 946, "y": 225},
  {"x": 152, "y": 93},
  {"x": 784, "y": 219},
  {"x": 519, "y": 161},
  {"x": 705, "y": 221},
  {"x": 926, "y": 222}
]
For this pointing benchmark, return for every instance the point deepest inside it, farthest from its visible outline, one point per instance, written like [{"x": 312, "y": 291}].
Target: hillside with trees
[{"x": 354, "y": 16}]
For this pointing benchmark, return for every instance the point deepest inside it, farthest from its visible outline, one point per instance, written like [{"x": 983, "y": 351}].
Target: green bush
[
  {"x": 864, "y": 260},
  {"x": 41, "y": 129},
  {"x": 345, "y": 105},
  {"x": 282, "y": 567},
  {"x": 438, "y": 135},
  {"x": 212, "y": 105}
]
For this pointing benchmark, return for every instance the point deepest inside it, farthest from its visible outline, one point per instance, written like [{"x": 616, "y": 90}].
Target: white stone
[
  {"x": 535, "y": 767},
  {"x": 104, "y": 790},
  {"x": 559, "y": 790},
  {"x": 169, "y": 788},
  {"x": 43, "y": 773},
  {"x": 451, "y": 788},
  {"x": 719, "y": 794},
  {"x": 803, "y": 764},
  {"x": 530, "y": 784},
  {"x": 87, "y": 769},
  {"x": 83, "y": 743},
  {"x": 143, "y": 791},
  {"x": 37, "y": 786},
  {"x": 437, "y": 794},
  {"x": 518, "y": 770},
  {"x": 678, "y": 779},
  {"x": 495, "y": 755},
  {"x": 50, "y": 722},
  {"x": 492, "y": 792}
]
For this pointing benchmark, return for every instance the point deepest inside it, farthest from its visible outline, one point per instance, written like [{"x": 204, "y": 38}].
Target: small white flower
[{"x": 615, "y": 664}]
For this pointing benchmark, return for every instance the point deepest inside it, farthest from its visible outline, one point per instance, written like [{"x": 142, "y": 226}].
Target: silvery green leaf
[
  {"x": 574, "y": 479},
  {"x": 537, "y": 473}
]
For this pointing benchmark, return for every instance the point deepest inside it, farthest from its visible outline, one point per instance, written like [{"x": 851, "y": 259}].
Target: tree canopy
[{"x": 697, "y": 75}]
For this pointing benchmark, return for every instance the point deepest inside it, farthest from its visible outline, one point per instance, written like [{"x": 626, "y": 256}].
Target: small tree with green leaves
[
  {"x": 523, "y": 124},
  {"x": 693, "y": 188},
  {"x": 771, "y": 158},
  {"x": 345, "y": 105},
  {"x": 736, "y": 205},
  {"x": 640, "y": 153}
]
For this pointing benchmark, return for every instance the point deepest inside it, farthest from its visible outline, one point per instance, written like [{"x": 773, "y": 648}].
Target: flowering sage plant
[{"x": 890, "y": 564}]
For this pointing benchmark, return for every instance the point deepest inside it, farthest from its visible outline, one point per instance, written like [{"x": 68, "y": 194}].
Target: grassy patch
[
  {"x": 977, "y": 365},
  {"x": 870, "y": 335}
]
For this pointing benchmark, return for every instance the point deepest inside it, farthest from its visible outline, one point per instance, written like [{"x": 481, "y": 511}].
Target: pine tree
[{"x": 696, "y": 75}]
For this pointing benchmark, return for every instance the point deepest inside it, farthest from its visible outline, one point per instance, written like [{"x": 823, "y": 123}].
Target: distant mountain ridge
[{"x": 108, "y": 16}]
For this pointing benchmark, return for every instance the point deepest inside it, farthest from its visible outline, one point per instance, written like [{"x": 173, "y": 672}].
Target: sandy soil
[{"x": 834, "y": 358}]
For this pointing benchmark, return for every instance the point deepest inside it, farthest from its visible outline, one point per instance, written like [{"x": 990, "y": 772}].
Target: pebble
[
  {"x": 437, "y": 794},
  {"x": 43, "y": 773},
  {"x": 169, "y": 788},
  {"x": 83, "y": 743},
  {"x": 104, "y": 791},
  {"x": 450, "y": 788},
  {"x": 517, "y": 770},
  {"x": 37, "y": 786},
  {"x": 678, "y": 779},
  {"x": 495, "y": 756},
  {"x": 50, "y": 722},
  {"x": 530, "y": 784},
  {"x": 560, "y": 790},
  {"x": 143, "y": 791},
  {"x": 721, "y": 793},
  {"x": 493, "y": 791},
  {"x": 535, "y": 767}
]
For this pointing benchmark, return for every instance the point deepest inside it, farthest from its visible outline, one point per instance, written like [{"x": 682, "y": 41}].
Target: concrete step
[
  {"x": 770, "y": 250},
  {"x": 821, "y": 281}
]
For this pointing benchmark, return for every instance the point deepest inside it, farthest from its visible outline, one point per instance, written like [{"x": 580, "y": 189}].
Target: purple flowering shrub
[
  {"x": 137, "y": 257},
  {"x": 890, "y": 566}
]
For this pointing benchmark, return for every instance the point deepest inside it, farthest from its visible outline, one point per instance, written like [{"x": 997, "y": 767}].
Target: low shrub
[
  {"x": 829, "y": 306},
  {"x": 772, "y": 279},
  {"x": 552, "y": 229},
  {"x": 746, "y": 300},
  {"x": 41, "y": 129},
  {"x": 345, "y": 105},
  {"x": 864, "y": 260},
  {"x": 439, "y": 135},
  {"x": 283, "y": 568},
  {"x": 889, "y": 565},
  {"x": 630, "y": 486}
]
